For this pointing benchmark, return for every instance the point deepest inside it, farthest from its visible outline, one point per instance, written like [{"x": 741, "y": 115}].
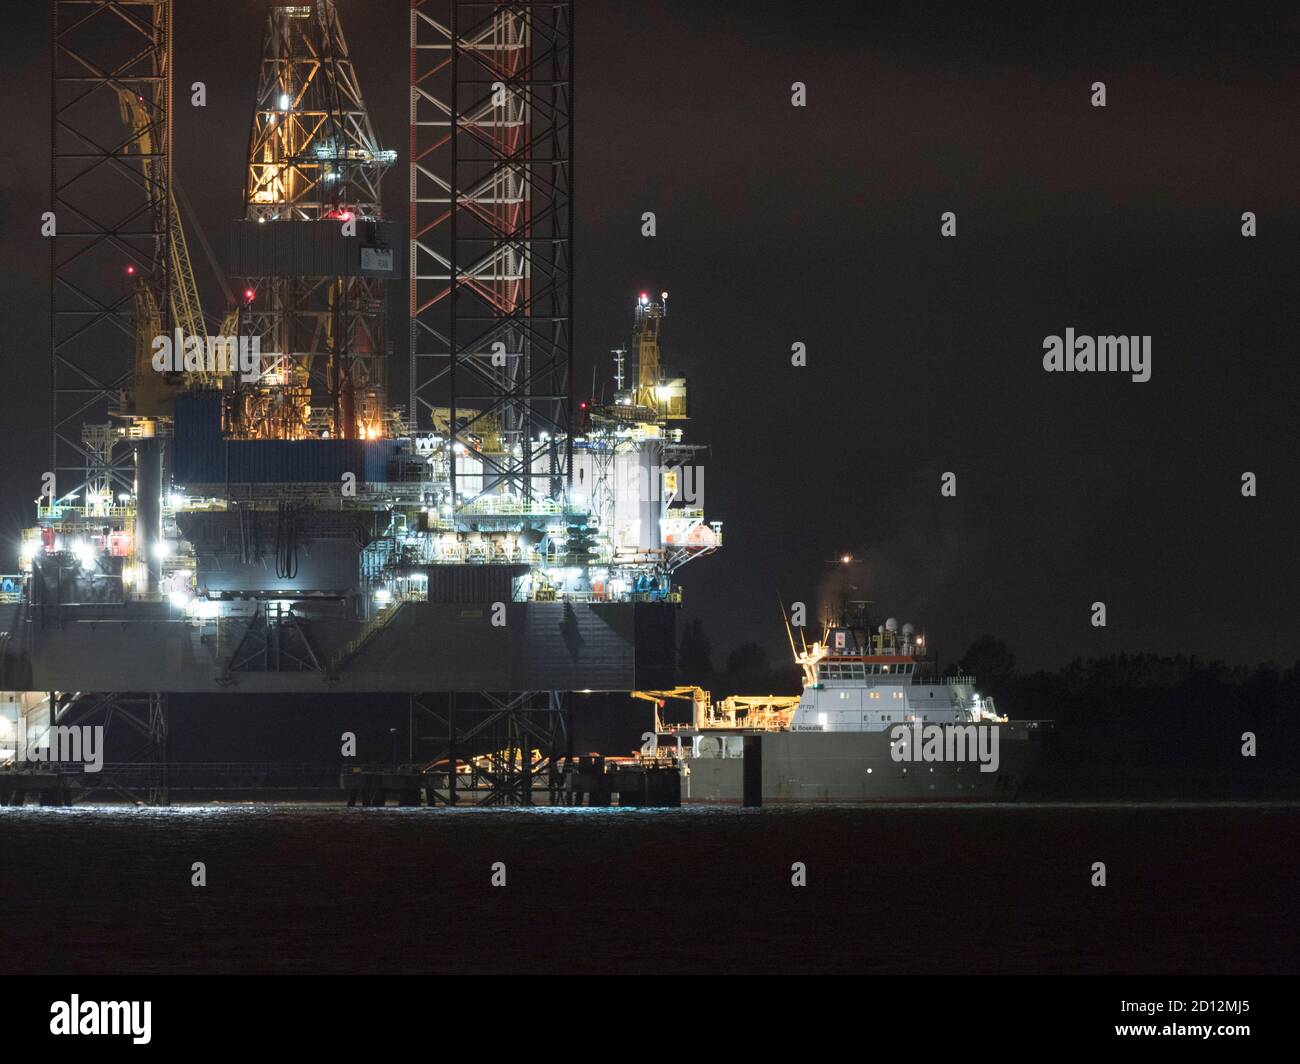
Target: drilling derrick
[{"x": 313, "y": 157}]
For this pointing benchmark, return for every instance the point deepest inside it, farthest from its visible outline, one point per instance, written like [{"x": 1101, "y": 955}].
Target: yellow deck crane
[
  {"x": 151, "y": 393},
  {"x": 736, "y": 712}
]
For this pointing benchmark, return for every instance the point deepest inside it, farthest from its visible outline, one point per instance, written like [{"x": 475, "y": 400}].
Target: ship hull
[{"x": 832, "y": 767}]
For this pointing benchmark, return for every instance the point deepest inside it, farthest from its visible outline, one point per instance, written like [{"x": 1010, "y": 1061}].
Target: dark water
[{"x": 1206, "y": 889}]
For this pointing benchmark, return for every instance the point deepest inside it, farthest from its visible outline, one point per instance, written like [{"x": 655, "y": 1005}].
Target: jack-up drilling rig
[{"x": 251, "y": 513}]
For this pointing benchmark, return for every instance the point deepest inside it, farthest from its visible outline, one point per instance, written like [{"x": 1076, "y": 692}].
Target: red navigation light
[
  {"x": 248, "y": 295},
  {"x": 582, "y": 406},
  {"x": 130, "y": 271}
]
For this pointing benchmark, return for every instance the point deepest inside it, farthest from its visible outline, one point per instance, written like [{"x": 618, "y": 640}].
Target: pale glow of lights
[
  {"x": 383, "y": 596},
  {"x": 179, "y": 599},
  {"x": 847, "y": 558},
  {"x": 285, "y": 101},
  {"x": 27, "y": 551},
  {"x": 162, "y": 549},
  {"x": 662, "y": 392},
  {"x": 175, "y": 501}
]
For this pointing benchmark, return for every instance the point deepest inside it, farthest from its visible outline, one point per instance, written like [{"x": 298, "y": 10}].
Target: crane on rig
[{"x": 151, "y": 393}]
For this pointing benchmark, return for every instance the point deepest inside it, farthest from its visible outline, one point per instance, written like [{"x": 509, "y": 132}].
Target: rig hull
[
  {"x": 419, "y": 647},
  {"x": 832, "y": 767}
]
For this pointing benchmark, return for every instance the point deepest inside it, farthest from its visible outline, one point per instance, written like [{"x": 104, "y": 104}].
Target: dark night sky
[{"x": 821, "y": 225}]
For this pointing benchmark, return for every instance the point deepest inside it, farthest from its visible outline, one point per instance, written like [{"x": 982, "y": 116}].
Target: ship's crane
[{"x": 751, "y": 712}]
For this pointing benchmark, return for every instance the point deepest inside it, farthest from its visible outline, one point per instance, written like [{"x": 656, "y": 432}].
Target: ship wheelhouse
[{"x": 871, "y": 682}]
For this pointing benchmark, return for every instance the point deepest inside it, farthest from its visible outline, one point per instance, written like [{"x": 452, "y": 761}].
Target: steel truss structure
[
  {"x": 504, "y": 749},
  {"x": 491, "y": 238},
  {"x": 110, "y": 194},
  {"x": 142, "y": 776},
  {"x": 275, "y": 639}
]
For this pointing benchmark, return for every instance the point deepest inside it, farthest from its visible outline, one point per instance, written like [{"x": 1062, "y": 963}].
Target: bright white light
[
  {"x": 179, "y": 599},
  {"x": 175, "y": 500},
  {"x": 662, "y": 392},
  {"x": 162, "y": 549},
  {"x": 383, "y": 596},
  {"x": 85, "y": 554},
  {"x": 285, "y": 101},
  {"x": 27, "y": 551},
  {"x": 207, "y": 609}
]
